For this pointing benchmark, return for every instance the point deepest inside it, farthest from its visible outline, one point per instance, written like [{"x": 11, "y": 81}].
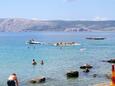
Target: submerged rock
[
  {"x": 72, "y": 74},
  {"x": 94, "y": 75},
  {"x": 38, "y": 80},
  {"x": 86, "y": 70}
]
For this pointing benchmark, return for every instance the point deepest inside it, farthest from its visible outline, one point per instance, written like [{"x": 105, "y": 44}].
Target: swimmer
[{"x": 34, "y": 62}]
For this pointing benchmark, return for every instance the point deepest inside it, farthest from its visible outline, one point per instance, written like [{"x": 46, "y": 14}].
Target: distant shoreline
[{"x": 29, "y": 25}]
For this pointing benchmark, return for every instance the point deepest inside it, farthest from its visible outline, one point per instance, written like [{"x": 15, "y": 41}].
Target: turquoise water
[{"x": 16, "y": 56}]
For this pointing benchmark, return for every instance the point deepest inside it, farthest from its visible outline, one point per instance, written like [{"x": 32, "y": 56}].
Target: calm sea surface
[{"x": 16, "y": 56}]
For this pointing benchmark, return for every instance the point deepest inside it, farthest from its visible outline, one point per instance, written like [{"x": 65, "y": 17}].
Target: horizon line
[{"x": 36, "y": 19}]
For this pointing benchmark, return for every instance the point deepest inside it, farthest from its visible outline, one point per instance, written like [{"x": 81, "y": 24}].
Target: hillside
[{"x": 25, "y": 25}]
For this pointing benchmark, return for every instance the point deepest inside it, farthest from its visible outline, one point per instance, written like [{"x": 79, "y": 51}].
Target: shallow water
[{"x": 16, "y": 56}]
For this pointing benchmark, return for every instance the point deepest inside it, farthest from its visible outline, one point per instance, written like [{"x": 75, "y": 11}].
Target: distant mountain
[{"x": 25, "y": 25}]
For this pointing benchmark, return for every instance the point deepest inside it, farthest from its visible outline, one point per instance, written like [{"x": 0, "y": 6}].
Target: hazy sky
[{"x": 58, "y": 9}]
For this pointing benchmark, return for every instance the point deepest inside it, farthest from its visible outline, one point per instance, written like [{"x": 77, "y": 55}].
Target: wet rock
[
  {"x": 38, "y": 80},
  {"x": 86, "y": 66},
  {"x": 72, "y": 74}
]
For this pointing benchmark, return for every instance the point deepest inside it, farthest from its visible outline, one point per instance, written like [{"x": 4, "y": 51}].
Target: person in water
[
  {"x": 34, "y": 62},
  {"x": 42, "y": 62},
  {"x": 12, "y": 80}
]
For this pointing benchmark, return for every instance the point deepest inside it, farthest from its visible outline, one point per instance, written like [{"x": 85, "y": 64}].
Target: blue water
[{"x": 16, "y": 56}]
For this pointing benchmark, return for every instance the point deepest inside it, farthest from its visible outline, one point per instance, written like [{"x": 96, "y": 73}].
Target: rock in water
[
  {"x": 72, "y": 74},
  {"x": 38, "y": 80}
]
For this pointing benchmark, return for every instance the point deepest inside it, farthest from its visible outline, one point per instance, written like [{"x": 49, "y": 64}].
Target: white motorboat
[{"x": 33, "y": 42}]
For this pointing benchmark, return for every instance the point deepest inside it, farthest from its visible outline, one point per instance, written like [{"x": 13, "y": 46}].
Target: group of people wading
[{"x": 34, "y": 62}]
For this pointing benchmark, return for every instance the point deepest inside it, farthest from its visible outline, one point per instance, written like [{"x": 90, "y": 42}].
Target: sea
[{"x": 16, "y": 57}]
